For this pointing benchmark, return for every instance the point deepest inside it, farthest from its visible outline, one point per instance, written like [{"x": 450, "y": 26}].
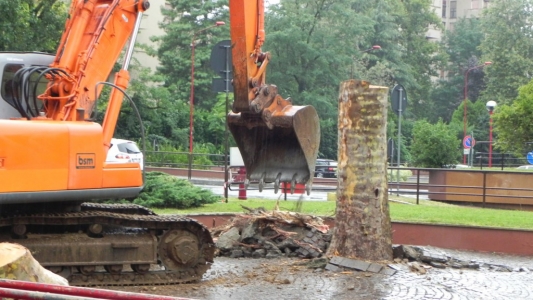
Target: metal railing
[
  {"x": 484, "y": 189},
  {"x": 481, "y": 189}
]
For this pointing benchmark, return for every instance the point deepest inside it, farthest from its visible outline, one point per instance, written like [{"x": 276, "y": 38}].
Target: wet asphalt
[{"x": 499, "y": 277}]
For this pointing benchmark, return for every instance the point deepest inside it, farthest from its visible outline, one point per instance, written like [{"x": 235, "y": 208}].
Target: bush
[
  {"x": 392, "y": 175},
  {"x": 434, "y": 145},
  {"x": 166, "y": 191}
]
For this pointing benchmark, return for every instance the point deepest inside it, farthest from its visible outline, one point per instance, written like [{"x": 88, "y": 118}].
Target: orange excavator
[
  {"x": 52, "y": 153},
  {"x": 277, "y": 140}
]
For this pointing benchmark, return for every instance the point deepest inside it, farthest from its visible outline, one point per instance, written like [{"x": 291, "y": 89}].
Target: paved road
[{"x": 277, "y": 279}]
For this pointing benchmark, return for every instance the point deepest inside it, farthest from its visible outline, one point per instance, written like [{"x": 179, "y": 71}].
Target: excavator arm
[
  {"x": 94, "y": 36},
  {"x": 56, "y": 124},
  {"x": 277, "y": 140}
]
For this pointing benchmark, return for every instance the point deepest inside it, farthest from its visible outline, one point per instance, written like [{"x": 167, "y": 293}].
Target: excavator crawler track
[{"x": 91, "y": 247}]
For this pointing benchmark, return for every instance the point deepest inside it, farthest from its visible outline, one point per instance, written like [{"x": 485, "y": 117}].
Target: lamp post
[
  {"x": 191, "y": 100},
  {"x": 375, "y": 47},
  {"x": 490, "y": 107},
  {"x": 466, "y": 97}
]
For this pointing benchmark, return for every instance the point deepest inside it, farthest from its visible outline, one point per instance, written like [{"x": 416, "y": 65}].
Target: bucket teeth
[
  {"x": 277, "y": 183},
  {"x": 262, "y": 182},
  {"x": 293, "y": 183}
]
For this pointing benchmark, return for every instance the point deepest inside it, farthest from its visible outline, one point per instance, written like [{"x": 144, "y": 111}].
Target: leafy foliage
[
  {"x": 434, "y": 145},
  {"x": 392, "y": 175},
  {"x": 512, "y": 122},
  {"x": 508, "y": 45},
  {"x": 31, "y": 25},
  {"x": 420, "y": 56},
  {"x": 166, "y": 191},
  {"x": 185, "y": 21},
  {"x": 461, "y": 45}
]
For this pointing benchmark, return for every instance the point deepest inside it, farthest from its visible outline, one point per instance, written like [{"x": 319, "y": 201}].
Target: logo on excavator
[{"x": 85, "y": 161}]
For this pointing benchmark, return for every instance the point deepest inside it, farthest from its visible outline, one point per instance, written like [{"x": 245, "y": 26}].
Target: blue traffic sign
[
  {"x": 529, "y": 158},
  {"x": 468, "y": 142}
]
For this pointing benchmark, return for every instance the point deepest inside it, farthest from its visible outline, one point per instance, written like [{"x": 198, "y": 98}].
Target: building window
[
  {"x": 474, "y": 4},
  {"x": 444, "y": 8},
  {"x": 453, "y": 9}
]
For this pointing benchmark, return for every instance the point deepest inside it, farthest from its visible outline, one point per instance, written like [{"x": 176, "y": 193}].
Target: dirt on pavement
[{"x": 499, "y": 277}]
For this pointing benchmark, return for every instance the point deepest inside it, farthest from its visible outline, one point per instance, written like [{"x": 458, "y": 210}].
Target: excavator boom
[
  {"x": 277, "y": 140},
  {"x": 53, "y": 158}
]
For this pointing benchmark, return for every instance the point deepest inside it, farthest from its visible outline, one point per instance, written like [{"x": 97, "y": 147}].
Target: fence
[
  {"x": 488, "y": 188},
  {"x": 483, "y": 187}
]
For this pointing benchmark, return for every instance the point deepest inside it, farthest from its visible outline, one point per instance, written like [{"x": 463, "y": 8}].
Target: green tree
[
  {"x": 420, "y": 57},
  {"x": 512, "y": 122},
  {"x": 508, "y": 45},
  {"x": 31, "y": 25},
  {"x": 462, "y": 48},
  {"x": 312, "y": 45},
  {"x": 434, "y": 145},
  {"x": 182, "y": 20}
]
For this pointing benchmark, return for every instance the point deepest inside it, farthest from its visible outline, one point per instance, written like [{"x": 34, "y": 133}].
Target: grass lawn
[{"x": 401, "y": 209}]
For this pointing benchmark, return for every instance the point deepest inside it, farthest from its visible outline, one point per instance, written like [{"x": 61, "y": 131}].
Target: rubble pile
[
  {"x": 272, "y": 234},
  {"x": 419, "y": 259}
]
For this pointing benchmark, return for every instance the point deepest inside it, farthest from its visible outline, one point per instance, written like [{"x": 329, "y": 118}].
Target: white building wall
[{"x": 150, "y": 27}]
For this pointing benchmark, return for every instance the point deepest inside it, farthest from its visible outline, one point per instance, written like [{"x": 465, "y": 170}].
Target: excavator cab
[{"x": 277, "y": 140}]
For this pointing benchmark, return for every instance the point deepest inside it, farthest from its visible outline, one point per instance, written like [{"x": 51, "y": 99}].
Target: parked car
[
  {"x": 326, "y": 168},
  {"x": 526, "y": 167},
  {"x": 124, "y": 151}
]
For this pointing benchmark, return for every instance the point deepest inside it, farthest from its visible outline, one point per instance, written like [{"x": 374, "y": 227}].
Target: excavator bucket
[
  {"x": 278, "y": 141},
  {"x": 284, "y": 149}
]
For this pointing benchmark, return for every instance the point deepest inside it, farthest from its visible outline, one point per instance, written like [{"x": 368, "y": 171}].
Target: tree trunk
[
  {"x": 16, "y": 262},
  {"x": 362, "y": 222}
]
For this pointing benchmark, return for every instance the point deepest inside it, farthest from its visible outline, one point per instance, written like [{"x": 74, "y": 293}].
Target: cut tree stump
[
  {"x": 17, "y": 263},
  {"x": 362, "y": 221}
]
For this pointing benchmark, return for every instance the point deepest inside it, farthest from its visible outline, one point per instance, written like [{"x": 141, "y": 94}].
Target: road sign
[
  {"x": 222, "y": 65},
  {"x": 469, "y": 142},
  {"x": 398, "y": 91},
  {"x": 219, "y": 54},
  {"x": 529, "y": 158},
  {"x": 466, "y": 151}
]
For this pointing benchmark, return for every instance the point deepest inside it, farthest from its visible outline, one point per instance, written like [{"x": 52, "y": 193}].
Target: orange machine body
[
  {"x": 53, "y": 151},
  {"x": 50, "y": 161}
]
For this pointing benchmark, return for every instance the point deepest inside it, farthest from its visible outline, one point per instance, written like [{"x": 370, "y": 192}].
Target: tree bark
[
  {"x": 16, "y": 262},
  {"x": 362, "y": 222}
]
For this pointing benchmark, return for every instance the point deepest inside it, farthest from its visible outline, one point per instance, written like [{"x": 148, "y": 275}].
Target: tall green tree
[
  {"x": 420, "y": 57},
  {"x": 31, "y": 25},
  {"x": 508, "y": 45},
  {"x": 313, "y": 44},
  {"x": 185, "y": 23},
  {"x": 512, "y": 122},
  {"x": 462, "y": 47}
]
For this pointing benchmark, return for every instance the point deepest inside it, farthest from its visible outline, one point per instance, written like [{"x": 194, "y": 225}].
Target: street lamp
[
  {"x": 375, "y": 47},
  {"x": 466, "y": 96},
  {"x": 490, "y": 107},
  {"x": 191, "y": 101}
]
